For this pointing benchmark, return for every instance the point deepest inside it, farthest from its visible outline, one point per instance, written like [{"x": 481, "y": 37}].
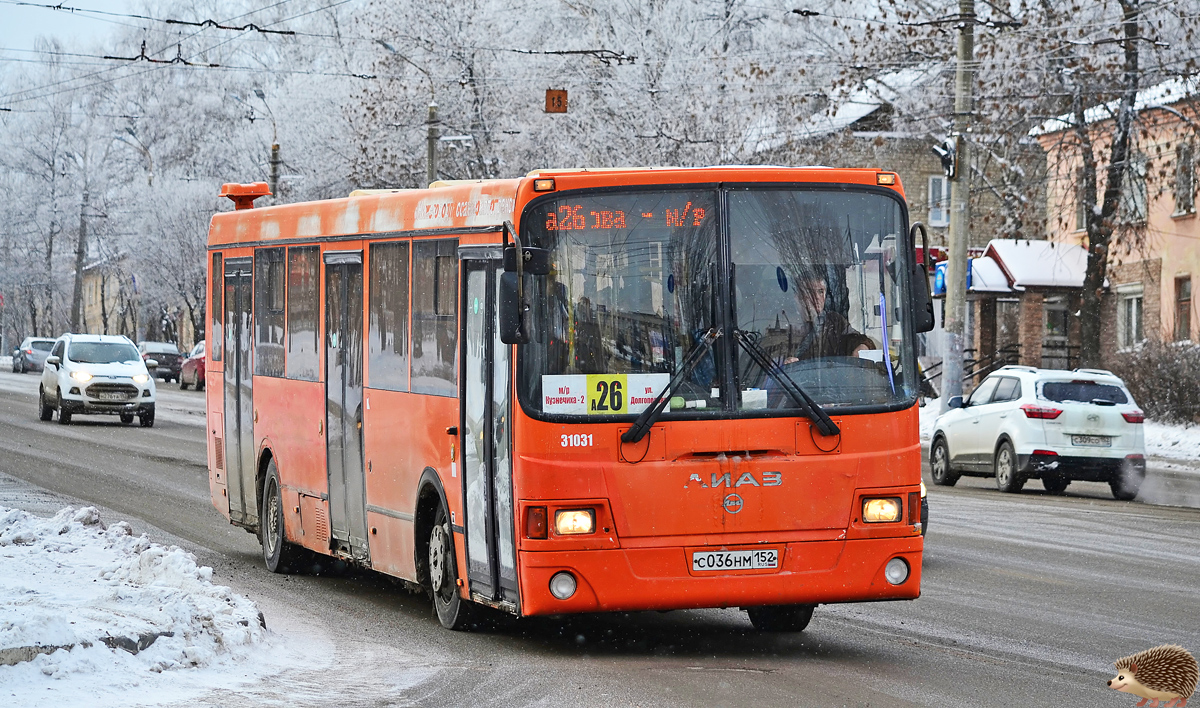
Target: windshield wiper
[
  {"x": 641, "y": 426},
  {"x": 808, "y": 406}
]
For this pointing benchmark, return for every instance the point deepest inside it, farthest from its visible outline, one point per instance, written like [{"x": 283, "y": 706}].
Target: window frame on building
[
  {"x": 1130, "y": 315},
  {"x": 1135, "y": 199},
  {"x": 1183, "y": 307},
  {"x": 939, "y": 201},
  {"x": 1185, "y": 179}
]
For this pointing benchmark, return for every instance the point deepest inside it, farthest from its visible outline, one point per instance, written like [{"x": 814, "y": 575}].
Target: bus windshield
[{"x": 813, "y": 281}]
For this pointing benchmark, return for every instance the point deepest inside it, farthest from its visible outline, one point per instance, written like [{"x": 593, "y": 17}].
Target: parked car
[
  {"x": 97, "y": 373},
  {"x": 1059, "y": 426},
  {"x": 168, "y": 357},
  {"x": 191, "y": 373},
  {"x": 31, "y": 355}
]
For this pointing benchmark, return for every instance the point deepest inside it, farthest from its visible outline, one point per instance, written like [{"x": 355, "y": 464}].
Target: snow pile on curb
[
  {"x": 1176, "y": 442},
  {"x": 90, "y": 613}
]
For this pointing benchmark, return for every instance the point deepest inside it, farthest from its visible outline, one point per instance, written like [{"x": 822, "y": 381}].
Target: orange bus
[{"x": 579, "y": 391}]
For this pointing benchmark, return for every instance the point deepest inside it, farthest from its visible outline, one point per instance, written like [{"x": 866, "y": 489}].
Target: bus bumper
[{"x": 630, "y": 579}]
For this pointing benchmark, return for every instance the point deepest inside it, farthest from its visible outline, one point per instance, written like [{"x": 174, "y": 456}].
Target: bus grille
[
  {"x": 322, "y": 523},
  {"x": 219, "y": 453}
]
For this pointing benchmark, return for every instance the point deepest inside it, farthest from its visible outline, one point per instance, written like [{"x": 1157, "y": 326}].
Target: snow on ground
[
  {"x": 5, "y": 362},
  {"x": 92, "y": 615},
  {"x": 1164, "y": 440}
]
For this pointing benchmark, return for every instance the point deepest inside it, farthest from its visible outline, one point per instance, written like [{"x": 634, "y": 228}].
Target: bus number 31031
[{"x": 577, "y": 440}]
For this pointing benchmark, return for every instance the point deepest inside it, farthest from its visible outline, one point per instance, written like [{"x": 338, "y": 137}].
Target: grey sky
[{"x": 20, "y": 25}]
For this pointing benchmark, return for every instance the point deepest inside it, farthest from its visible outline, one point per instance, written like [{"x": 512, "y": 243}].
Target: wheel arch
[
  {"x": 266, "y": 453},
  {"x": 430, "y": 495}
]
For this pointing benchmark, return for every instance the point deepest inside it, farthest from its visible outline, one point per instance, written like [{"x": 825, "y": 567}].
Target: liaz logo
[{"x": 765, "y": 479}]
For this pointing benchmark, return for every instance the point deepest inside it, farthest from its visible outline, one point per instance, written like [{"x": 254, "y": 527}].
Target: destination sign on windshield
[{"x": 666, "y": 212}]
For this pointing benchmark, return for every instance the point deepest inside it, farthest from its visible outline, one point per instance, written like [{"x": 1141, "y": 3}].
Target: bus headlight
[
  {"x": 896, "y": 571},
  {"x": 574, "y": 521},
  {"x": 881, "y": 509},
  {"x": 562, "y": 585}
]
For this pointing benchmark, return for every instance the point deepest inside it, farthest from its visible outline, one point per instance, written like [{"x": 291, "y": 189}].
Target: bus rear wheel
[
  {"x": 452, "y": 611},
  {"x": 279, "y": 555},
  {"x": 781, "y": 618}
]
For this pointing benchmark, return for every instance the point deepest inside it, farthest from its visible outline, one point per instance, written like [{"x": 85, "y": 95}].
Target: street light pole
[
  {"x": 431, "y": 141},
  {"x": 274, "y": 179},
  {"x": 960, "y": 212}
]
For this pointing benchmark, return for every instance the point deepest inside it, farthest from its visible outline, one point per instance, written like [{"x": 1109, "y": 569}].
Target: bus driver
[{"x": 824, "y": 333}]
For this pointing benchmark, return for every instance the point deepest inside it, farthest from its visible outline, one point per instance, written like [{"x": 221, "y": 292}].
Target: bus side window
[
  {"x": 303, "y": 299},
  {"x": 434, "y": 317},
  {"x": 387, "y": 338},
  {"x": 214, "y": 310},
  {"x": 268, "y": 312}
]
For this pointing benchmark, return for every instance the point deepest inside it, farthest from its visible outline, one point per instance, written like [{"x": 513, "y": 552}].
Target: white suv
[
  {"x": 97, "y": 373},
  {"x": 1056, "y": 425}
]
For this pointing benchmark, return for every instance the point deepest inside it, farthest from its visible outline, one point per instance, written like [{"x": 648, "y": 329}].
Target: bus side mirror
[
  {"x": 511, "y": 311},
  {"x": 924, "y": 302},
  {"x": 537, "y": 260}
]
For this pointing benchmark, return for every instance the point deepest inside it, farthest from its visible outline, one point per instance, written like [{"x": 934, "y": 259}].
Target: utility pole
[
  {"x": 431, "y": 141},
  {"x": 80, "y": 257},
  {"x": 960, "y": 213},
  {"x": 275, "y": 171}
]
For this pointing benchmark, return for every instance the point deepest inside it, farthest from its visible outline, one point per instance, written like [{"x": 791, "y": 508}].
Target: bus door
[
  {"x": 486, "y": 435},
  {"x": 239, "y": 398},
  {"x": 344, "y": 402}
]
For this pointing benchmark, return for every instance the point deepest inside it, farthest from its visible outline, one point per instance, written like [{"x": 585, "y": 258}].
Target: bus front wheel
[
  {"x": 452, "y": 611},
  {"x": 781, "y": 618}
]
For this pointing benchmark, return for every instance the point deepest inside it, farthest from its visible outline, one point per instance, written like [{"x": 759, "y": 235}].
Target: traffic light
[{"x": 947, "y": 151}]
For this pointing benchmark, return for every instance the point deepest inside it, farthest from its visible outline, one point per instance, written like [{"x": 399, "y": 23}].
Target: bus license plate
[
  {"x": 735, "y": 560},
  {"x": 1092, "y": 440}
]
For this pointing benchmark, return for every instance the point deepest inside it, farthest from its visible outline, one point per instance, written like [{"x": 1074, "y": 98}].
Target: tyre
[
  {"x": 199, "y": 382},
  {"x": 18, "y": 366},
  {"x": 1008, "y": 478},
  {"x": 279, "y": 555},
  {"x": 45, "y": 410},
  {"x": 64, "y": 416},
  {"x": 781, "y": 618},
  {"x": 146, "y": 418},
  {"x": 1127, "y": 485},
  {"x": 126, "y": 418},
  {"x": 452, "y": 611},
  {"x": 939, "y": 464},
  {"x": 183, "y": 384},
  {"x": 1055, "y": 483}
]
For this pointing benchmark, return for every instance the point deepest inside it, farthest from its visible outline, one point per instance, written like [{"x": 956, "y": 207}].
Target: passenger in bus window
[{"x": 824, "y": 333}]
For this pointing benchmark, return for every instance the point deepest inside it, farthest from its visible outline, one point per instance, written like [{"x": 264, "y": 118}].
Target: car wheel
[
  {"x": 279, "y": 555},
  {"x": 64, "y": 416},
  {"x": 939, "y": 464},
  {"x": 126, "y": 418},
  {"x": 1055, "y": 483},
  {"x": 146, "y": 418},
  {"x": 183, "y": 384},
  {"x": 45, "y": 410},
  {"x": 18, "y": 366},
  {"x": 452, "y": 611},
  {"x": 1126, "y": 486},
  {"x": 199, "y": 382},
  {"x": 781, "y": 618},
  {"x": 1008, "y": 479}
]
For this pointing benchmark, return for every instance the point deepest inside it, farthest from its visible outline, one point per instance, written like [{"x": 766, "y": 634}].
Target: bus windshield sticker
[{"x": 600, "y": 394}]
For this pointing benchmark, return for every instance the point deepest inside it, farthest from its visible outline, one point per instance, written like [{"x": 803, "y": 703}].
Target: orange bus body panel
[{"x": 657, "y": 501}]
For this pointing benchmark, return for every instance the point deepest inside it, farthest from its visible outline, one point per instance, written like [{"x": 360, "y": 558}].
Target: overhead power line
[
  {"x": 188, "y": 23},
  {"x": 177, "y": 60}
]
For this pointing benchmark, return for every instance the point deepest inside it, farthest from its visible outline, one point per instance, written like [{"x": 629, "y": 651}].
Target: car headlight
[
  {"x": 881, "y": 509},
  {"x": 81, "y": 376},
  {"x": 575, "y": 521},
  {"x": 141, "y": 378}
]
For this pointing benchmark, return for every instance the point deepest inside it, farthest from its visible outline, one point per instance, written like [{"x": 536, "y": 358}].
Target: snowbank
[{"x": 92, "y": 615}]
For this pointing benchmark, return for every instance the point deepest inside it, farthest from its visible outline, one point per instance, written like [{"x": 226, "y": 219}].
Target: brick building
[{"x": 1155, "y": 250}]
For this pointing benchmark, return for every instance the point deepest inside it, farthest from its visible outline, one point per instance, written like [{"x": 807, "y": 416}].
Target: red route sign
[{"x": 556, "y": 100}]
